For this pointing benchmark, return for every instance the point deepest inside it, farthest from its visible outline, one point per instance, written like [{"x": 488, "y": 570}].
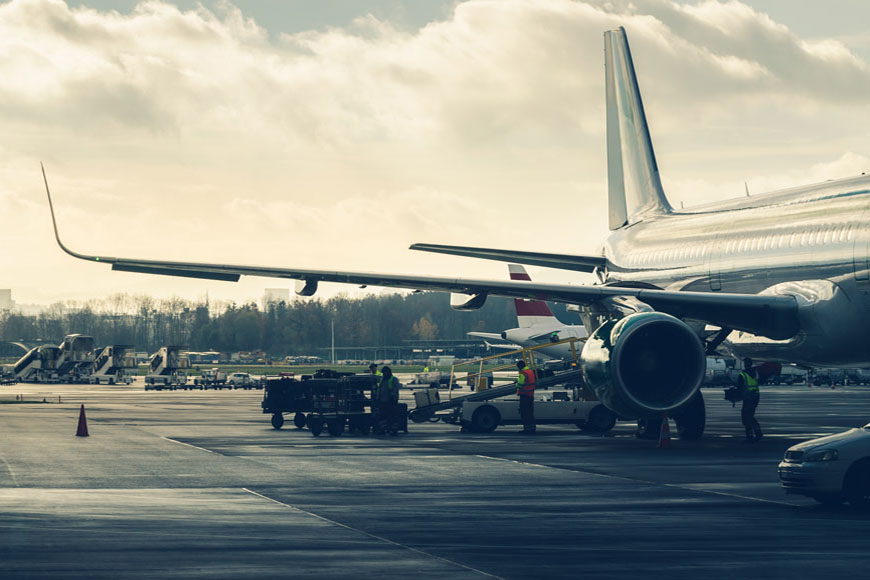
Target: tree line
[{"x": 301, "y": 326}]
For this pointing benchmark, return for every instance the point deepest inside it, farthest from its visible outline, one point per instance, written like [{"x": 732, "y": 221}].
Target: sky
[{"x": 333, "y": 135}]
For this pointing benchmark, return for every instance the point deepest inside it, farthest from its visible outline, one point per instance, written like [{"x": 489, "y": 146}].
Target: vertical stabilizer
[
  {"x": 633, "y": 180},
  {"x": 530, "y": 312}
]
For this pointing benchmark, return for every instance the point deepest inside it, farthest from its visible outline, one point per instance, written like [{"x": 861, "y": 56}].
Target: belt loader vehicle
[
  {"x": 557, "y": 407},
  {"x": 167, "y": 369},
  {"x": 114, "y": 365}
]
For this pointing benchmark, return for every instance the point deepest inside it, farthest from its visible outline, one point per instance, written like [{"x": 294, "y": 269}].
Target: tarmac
[{"x": 197, "y": 484}]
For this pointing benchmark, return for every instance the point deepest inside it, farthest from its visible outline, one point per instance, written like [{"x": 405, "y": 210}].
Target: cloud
[{"x": 209, "y": 138}]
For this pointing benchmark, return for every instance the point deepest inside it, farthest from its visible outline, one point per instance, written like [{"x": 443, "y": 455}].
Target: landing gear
[{"x": 690, "y": 418}]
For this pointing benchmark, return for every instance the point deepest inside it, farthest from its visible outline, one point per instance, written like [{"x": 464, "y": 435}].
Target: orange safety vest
[{"x": 526, "y": 382}]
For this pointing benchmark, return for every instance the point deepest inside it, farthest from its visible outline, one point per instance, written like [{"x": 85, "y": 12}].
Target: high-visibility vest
[
  {"x": 750, "y": 382},
  {"x": 526, "y": 382},
  {"x": 388, "y": 390}
]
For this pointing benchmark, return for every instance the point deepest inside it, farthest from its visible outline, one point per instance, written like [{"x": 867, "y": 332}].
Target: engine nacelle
[{"x": 644, "y": 364}]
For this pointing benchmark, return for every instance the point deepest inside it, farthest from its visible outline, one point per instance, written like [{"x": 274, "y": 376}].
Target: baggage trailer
[{"x": 330, "y": 401}]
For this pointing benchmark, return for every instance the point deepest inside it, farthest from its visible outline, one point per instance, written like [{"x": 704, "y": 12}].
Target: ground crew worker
[
  {"x": 426, "y": 369},
  {"x": 388, "y": 401},
  {"x": 747, "y": 383},
  {"x": 526, "y": 390},
  {"x": 373, "y": 368},
  {"x": 554, "y": 337}
]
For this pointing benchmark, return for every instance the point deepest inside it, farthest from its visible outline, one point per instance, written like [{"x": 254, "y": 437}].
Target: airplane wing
[
  {"x": 772, "y": 316},
  {"x": 558, "y": 261}
]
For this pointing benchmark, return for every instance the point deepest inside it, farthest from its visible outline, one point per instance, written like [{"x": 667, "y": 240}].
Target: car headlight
[{"x": 822, "y": 455}]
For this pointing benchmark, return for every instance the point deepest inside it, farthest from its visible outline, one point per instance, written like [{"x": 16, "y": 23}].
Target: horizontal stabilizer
[
  {"x": 486, "y": 335},
  {"x": 558, "y": 261}
]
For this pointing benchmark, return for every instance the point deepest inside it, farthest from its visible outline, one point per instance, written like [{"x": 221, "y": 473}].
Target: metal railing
[{"x": 527, "y": 354}]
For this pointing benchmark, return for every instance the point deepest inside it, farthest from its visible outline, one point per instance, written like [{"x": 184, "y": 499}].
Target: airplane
[
  {"x": 536, "y": 326},
  {"x": 782, "y": 276}
]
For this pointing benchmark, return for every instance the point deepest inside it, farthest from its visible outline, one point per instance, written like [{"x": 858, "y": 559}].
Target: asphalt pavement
[{"x": 197, "y": 484}]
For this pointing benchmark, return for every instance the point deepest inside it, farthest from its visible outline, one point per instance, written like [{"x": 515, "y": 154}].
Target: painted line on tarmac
[
  {"x": 9, "y": 469},
  {"x": 636, "y": 480},
  {"x": 370, "y": 535},
  {"x": 194, "y": 446}
]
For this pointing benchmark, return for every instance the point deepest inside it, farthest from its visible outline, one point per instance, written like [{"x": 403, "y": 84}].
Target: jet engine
[{"x": 644, "y": 364}]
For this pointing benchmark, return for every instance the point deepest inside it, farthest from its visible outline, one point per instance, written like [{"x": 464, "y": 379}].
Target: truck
[
  {"x": 113, "y": 365},
  {"x": 7, "y": 375},
  {"x": 212, "y": 378},
  {"x": 167, "y": 368}
]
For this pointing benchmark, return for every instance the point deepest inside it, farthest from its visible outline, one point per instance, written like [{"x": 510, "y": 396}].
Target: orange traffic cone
[
  {"x": 82, "y": 431},
  {"x": 665, "y": 433}
]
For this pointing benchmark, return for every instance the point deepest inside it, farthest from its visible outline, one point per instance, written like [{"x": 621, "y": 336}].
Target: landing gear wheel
[
  {"x": 299, "y": 420},
  {"x": 277, "y": 420},
  {"x": 649, "y": 428},
  {"x": 600, "y": 420},
  {"x": 485, "y": 419},
  {"x": 335, "y": 427},
  {"x": 857, "y": 485},
  {"x": 315, "y": 425},
  {"x": 690, "y": 418}
]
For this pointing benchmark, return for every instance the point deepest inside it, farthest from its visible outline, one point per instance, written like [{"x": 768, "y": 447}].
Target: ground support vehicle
[
  {"x": 326, "y": 400},
  {"x": 561, "y": 408},
  {"x": 481, "y": 412},
  {"x": 242, "y": 381},
  {"x": 7, "y": 376},
  {"x": 347, "y": 402},
  {"x": 114, "y": 365},
  {"x": 213, "y": 378},
  {"x": 830, "y": 469},
  {"x": 167, "y": 369},
  {"x": 287, "y": 395}
]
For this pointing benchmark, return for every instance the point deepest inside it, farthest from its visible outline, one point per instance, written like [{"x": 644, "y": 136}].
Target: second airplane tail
[{"x": 530, "y": 312}]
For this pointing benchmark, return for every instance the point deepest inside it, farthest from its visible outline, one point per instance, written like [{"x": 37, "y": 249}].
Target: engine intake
[{"x": 644, "y": 364}]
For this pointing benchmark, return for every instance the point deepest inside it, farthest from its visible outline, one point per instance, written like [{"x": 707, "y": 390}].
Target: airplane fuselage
[{"x": 815, "y": 239}]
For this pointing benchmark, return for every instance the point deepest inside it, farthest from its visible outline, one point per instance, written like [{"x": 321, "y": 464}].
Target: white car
[
  {"x": 241, "y": 381},
  {"x": 830, "y": 469}
]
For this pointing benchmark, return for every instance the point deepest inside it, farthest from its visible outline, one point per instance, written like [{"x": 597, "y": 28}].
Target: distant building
[
  {"x": 275, "y": 295},
  {"x": 6, "y": 302}
]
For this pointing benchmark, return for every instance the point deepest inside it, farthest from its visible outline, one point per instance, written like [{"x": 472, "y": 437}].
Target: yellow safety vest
[
  {"x": 526, "y": 382},
  {"x": 750, "y": 382}
]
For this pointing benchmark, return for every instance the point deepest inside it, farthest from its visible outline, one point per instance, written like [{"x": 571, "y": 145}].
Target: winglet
[{"x": 54, "y": 223}]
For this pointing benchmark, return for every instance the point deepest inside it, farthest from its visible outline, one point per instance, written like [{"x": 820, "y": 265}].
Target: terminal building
[{"x": 6, "y": 302}]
